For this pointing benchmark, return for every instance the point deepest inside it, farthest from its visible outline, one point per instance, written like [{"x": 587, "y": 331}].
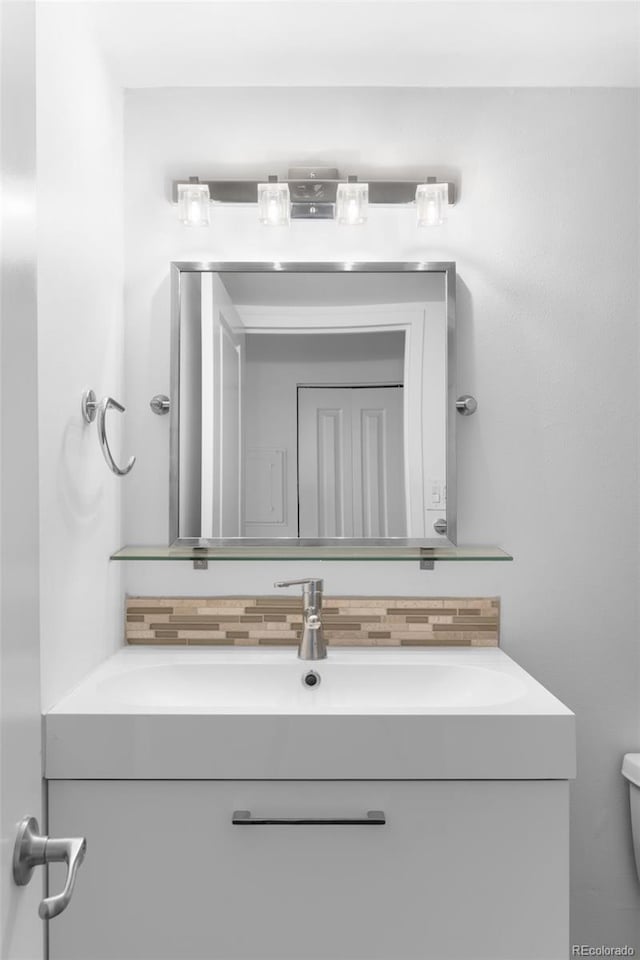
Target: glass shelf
[{"x": 273, "y": 551}]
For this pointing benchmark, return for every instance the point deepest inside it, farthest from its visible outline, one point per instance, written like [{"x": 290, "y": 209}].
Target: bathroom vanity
[
  {"x": 432, "y": 787},
  {"x": 409, "y": 804}
]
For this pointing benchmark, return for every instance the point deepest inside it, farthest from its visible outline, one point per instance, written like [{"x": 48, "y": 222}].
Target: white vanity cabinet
[{"x": 461, "y": 870}]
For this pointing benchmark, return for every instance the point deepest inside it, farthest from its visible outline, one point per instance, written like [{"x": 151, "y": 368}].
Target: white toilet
[{"x": 631, "y": 770}]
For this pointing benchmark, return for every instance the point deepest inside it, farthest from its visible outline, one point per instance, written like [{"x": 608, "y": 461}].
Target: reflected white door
[
  {"x": 21, "y": 931},
  {"x": 223, "y": 357},
  {"x": 230, "y": 481},
  {"x": 350, "y": 462}
]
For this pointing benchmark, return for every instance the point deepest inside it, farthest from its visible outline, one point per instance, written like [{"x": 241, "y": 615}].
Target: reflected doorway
[{"x": 351, "y": 461}]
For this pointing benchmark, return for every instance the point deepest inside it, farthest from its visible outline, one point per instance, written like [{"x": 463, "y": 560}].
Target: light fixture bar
[
  {"x": 313, "y": 186},
  {"x": 312, "y": 210}
]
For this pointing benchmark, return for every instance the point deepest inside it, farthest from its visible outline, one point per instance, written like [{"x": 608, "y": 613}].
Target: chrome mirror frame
[{"x": 447, "y": 268}]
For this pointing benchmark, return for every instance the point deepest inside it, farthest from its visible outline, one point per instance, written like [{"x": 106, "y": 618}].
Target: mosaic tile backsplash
[{"x": 348, "y": 621}]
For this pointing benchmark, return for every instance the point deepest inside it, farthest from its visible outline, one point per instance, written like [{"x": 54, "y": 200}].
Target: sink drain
[{"x": 311, "y": 679}]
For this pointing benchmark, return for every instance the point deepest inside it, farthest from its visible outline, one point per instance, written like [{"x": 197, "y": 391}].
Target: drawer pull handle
[{"x": 243, "y": 818}]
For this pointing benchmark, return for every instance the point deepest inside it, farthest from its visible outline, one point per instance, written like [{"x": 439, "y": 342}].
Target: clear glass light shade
[
  {"x": 274, "y": 204},
  {"x": 352, "y": 203},
  {"x": 432, "y": 200},
  {"x": 193, "y": 204}
]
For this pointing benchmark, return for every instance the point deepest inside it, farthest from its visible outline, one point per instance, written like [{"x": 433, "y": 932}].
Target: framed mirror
[{"x": 313, "y": 404}]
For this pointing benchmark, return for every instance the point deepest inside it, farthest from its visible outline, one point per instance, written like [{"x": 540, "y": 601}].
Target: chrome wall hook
[
  {"x": 105, "y": 404},
  {"x": 92, "y": 409}
]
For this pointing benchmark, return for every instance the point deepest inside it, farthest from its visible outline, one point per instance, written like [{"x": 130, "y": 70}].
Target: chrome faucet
[{"x": 312, "y": 645}]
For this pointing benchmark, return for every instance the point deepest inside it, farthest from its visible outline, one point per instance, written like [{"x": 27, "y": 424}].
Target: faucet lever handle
[
  {"x": 305, "y": 581},
  {"x": 312, "y": 643}
]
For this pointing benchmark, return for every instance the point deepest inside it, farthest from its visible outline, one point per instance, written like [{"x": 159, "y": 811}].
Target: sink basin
[
  {"x": 245, "y": 713},
  {"x": 278, "y": 687}
]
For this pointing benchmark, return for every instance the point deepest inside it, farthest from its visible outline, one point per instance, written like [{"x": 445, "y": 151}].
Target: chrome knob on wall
[
  {"x": 34, "y": 850},
  {"x": 160, "y": 404},
  {"x": 466, "y": 405}
]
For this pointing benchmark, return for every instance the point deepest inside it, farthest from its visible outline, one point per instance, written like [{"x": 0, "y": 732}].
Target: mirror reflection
[{"x": 311, "y": 404}]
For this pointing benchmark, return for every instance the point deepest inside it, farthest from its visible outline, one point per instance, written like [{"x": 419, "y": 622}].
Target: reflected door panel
[
  {"x": 350, "y": 462},
  {"x": 325, "y": 471},
  {"x": 379, "y": 489}
]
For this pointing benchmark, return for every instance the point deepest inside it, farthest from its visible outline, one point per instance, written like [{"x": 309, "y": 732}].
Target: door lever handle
[{"x": 34, "y": 850}]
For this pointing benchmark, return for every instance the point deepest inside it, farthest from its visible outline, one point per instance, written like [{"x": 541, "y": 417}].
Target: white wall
[
  {"x": 80, "y": 329},
  {"x": 546, "y": 241},
  {"x": 388, "y": 43}
]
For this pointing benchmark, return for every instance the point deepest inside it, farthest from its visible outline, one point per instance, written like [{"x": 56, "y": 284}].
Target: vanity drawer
[{"x": 463, "y": 870}]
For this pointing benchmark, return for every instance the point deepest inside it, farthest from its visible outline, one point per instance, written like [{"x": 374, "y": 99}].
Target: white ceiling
[{"x": 368, "y": 43}]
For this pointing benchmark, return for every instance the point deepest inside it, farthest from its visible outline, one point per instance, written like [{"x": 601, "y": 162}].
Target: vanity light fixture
[
  {"x": 314, "y": 193},
  {"x": 193, "y": 203},
  {"x": 352, "y": 202},
  {"x": 432, "y": 199},
  {"x": 274, "y": 203}
]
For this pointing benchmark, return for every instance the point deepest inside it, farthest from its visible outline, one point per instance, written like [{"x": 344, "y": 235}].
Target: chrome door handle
[
  {"x": 34, "y": 850},
  {"x": 374, "y": 818}
]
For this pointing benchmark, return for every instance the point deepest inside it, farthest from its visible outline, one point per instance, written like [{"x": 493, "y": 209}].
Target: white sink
[
  {"x": 277, "y": 687},
  {"x": 244, "y": 713}
]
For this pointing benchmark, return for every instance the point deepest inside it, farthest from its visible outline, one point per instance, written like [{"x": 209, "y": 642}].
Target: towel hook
[
  {"x": 90, "y": 407},
  {"x": 103, "y": 406}
]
